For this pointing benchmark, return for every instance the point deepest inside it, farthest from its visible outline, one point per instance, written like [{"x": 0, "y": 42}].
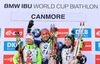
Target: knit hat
[
  {"x": 45, "y": 31},
  {"x": 69, "y": 36},
  {"x": 29, "y": 35}
]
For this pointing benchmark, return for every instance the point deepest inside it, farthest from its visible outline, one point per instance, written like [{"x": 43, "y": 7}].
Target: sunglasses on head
[
  {"x": 44, "y": 29},
  {"x": 69, "y": 35}
]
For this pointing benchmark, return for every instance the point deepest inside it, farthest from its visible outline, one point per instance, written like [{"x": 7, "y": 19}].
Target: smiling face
[
  {"x": 29, "y": 41},
  {"x": 45, "y": 36},
  {"x": 68, "y": 42}
]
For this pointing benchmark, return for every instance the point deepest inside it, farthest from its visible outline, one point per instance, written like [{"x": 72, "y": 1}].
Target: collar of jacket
[
  {"x": 64, "y": 46},
  {"x": 29, "y": 46},
  {"x": 45, "y": 41}
]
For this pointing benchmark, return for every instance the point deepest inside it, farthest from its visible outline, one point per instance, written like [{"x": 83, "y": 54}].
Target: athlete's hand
[{"x": 31, "y": 23}]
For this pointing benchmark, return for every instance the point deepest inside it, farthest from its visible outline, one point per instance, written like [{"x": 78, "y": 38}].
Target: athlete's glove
[{"x": 31, "y": 23}]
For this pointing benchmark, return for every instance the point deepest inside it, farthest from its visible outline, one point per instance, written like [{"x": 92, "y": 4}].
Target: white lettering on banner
[
  {"x": 61, "y": 32},
  {"x": 13, "y": 33},
  {"x": 11, "y": 44},
  {"x": 87, "y": 45},
  {"x": 8, "y": 33},
  {"x": 85, "y": 31},
  {"x": 8, "y": 44},
  {"x": 98, "y": 33},
  {"x": 98, "y": 59},
  {"x": 99, "y": 44},
  {"x": 20, "y": 33},
  {"x": 77, "y": 31},
  {"x": 8, "y": 59}
]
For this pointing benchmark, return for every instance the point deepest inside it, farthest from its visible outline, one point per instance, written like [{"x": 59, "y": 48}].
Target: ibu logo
[
  {"x": 97, "y": 46},
  {"x": 10, "y": 45},
  {"x": 86, "y": 32}
]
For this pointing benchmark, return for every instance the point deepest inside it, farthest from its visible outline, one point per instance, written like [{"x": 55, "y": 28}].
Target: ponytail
[{"x": 73, "y": 43}]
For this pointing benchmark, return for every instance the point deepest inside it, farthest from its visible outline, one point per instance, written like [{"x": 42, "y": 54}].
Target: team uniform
[
  {"x": 65, "y": 54},
  {"x": 30, "y": 53}
]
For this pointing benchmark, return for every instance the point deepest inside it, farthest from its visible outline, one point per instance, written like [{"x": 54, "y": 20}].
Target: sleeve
[
  {"x": 15, "y": 58},
  {"x": 60, "y": 44},
  {"x": 30, "y": 24},
  {"x": 37, "y": 42},
  {"x": 79, "y": 60},
  {"x": 28, "y": 30},
  {"x": 82, "y": 44},
  {"x": 58, "y": 55},
  {"x": 39, "y": 57},
  {"x": 59, "y": 58}
]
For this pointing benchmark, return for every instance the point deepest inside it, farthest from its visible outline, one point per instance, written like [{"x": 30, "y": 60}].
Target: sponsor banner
[
  {"x": 88, "y": 46},
  {"x": 97, "y": 33},
  {"x": 97, "y": 59},
  {"x": 10, "y": 32},
  {"x": 0, "y": 32},
  {"x": 97, "y": 46},
  {"x": 10, "y": 45},
  {"x": 0, "y": 44},
  {"x": 62, "y": 32},
  {"x": 86, "y": 32},
  {"x": 8, "y": 59}
]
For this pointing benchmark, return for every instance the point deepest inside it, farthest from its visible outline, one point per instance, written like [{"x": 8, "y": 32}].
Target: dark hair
[{"x": 73, "y": 43}]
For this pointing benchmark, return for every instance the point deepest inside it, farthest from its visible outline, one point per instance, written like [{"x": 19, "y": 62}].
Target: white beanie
[{"x": 29, "y": 35}]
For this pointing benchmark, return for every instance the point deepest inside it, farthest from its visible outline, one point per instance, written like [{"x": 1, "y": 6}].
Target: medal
[{"x": 43, "y": 59}]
